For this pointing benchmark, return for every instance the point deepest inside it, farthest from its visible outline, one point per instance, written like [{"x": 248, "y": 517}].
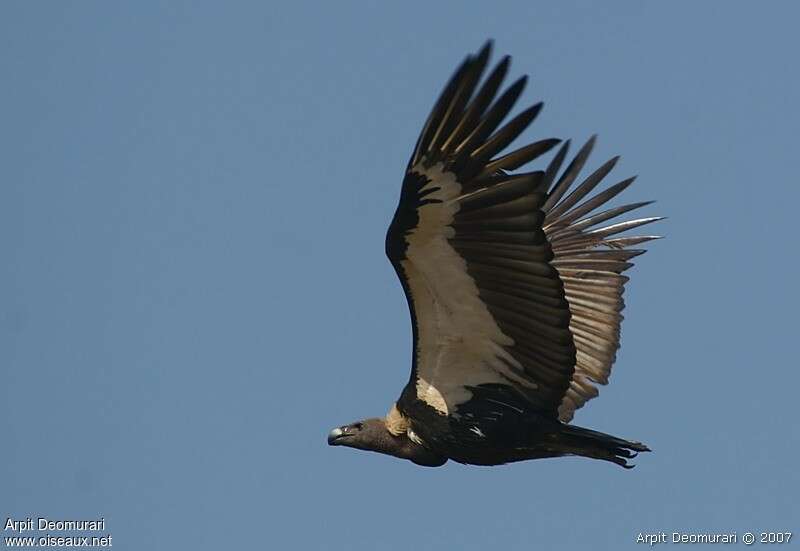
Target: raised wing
[
  {"x": 488, "y": 307},
  {"x": 514, "y": 290},
  {"x": 590, "y": 261}
]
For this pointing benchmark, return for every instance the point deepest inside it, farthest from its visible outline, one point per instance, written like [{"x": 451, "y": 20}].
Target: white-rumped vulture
[{"x": 514, "y": 282}]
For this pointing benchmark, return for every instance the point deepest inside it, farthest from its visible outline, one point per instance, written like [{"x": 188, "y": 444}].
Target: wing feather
[
  {"x": 467, "y": 243},
  {"x": 513, "y": 281},
  {"x": 590, "y": 265}
]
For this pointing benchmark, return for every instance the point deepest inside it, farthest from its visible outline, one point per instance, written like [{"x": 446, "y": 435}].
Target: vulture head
[{"x": 374, "y": 435}]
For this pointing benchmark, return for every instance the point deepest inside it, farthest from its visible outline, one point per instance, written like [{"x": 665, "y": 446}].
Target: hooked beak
[
  {"x": 339, "y": 435},
  {"x": 335, "y": 435}
]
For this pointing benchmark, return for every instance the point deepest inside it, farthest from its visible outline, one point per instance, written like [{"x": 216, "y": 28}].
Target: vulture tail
[{"x": 597, "y": 445}]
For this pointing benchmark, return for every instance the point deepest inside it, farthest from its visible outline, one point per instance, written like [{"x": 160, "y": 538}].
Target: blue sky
[{"x": 193, "y": 200}]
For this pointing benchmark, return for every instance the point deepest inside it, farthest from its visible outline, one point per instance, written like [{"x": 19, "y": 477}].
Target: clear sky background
[{"x": 193, "y": 202}]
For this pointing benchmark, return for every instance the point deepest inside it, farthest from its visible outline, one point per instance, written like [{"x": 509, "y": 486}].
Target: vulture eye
[{"x": 358, "y": 426}]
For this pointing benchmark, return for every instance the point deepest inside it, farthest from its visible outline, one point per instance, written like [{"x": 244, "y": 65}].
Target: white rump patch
[{"x": 460, "y": 343}]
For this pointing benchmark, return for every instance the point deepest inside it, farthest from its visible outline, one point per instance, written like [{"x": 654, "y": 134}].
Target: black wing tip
[
  {"x": 480, "y": 59},
  {"x": 561, "y": 154},
  {"x": 520, "y": 83},
  {"x": 486, "y": 49},
  {"x": 504, "y": 63},
  {"x": 587, "y": 147},
  {"x": 529, "y": 114}
]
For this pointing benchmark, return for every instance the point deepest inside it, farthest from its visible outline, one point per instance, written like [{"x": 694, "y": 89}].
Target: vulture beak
[{"x": 335, "y": 435}]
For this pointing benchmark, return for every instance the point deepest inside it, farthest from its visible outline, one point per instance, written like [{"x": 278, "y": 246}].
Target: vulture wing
[
  {"x": 590, "y": 261},
  {"x": 510, "y": 286}
]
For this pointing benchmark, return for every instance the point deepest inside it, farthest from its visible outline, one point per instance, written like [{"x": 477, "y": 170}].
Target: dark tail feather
[{"x": 597, "y": 445}]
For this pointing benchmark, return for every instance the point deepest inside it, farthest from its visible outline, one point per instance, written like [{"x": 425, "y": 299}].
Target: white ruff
[
  {"x": 460, "y": 343},
  {"x": 396, "y": 423}
]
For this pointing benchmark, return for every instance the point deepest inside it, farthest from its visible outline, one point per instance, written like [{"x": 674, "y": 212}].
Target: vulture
[{"x": 514, "y": 282}]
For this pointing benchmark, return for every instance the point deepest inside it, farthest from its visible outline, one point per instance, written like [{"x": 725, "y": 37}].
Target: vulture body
[{"x": 514, "y": 284}]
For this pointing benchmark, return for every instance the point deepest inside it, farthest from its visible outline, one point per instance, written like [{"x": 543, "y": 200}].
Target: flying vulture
[{"x": 514, "y": 283}]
